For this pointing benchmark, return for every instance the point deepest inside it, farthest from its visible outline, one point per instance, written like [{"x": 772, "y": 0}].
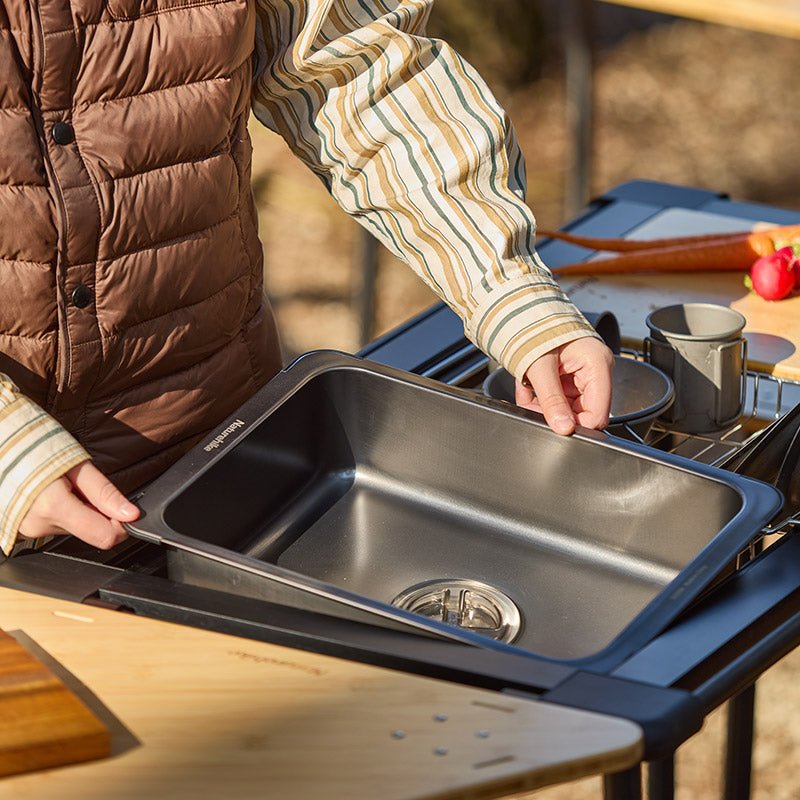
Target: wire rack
[{"x": 766, "y": 399}]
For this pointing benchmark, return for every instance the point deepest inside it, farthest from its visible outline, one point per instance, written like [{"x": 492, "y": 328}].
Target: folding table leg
[
  {"x": 367, "y": 266},
  {"x": 739, "y": 751},
  {"x": 661, "y": 779},
  {"x": 625, "y": 785},
  {"x": 577, "y": 24}
]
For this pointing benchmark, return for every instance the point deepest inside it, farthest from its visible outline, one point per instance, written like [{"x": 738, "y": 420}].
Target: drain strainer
[{"x": 468, "y": 604}]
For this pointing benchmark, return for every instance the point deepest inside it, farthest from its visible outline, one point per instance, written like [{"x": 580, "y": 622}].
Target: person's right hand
[
  {"x": 570, "y": 385},
  {"x": 84, "y": 503}
]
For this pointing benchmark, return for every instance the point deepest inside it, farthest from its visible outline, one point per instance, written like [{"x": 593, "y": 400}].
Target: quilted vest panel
[{"x": 130, "y": 265}]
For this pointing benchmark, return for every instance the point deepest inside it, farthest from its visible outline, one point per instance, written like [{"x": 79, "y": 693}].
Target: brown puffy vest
[{"x": 131, "y": 301}]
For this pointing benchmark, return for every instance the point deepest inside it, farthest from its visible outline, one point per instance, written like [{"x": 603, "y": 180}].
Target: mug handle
[{"x": 742, "y": 343}]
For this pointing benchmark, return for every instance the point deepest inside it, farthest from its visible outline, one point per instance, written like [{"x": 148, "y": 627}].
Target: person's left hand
[
  {"x": 82, "y": 502},
  {"x": 570, "y": 385}
]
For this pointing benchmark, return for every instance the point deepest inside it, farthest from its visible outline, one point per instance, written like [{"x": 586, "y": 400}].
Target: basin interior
[{"x": 372, "y": 484}]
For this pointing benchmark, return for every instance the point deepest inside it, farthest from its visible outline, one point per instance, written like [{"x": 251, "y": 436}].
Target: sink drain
[{"x": 468, "y": 604}]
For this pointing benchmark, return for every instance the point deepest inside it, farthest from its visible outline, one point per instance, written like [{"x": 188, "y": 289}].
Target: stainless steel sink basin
[{"x": 343, "y": 485}]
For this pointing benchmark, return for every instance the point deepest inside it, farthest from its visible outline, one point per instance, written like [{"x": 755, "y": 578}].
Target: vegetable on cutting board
[
  {"x": 769, "y": 255},
  {"x": 774, "y": 276},
  {"x": 781, "y": 233}
]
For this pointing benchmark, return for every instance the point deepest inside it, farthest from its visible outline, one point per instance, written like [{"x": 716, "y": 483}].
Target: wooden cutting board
[
  {"x": 42, "y": 723},
  {"x": 772, "y": 330},
  {"x": 218, "y": 716}
]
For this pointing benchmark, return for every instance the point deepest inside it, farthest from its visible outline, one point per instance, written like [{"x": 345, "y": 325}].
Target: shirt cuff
[
  {"x": 523, "y": 319},
  {"x": 34, "y": 451}
]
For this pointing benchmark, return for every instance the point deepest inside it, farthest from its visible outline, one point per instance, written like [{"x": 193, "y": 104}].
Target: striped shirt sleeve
[
  {"x": 34, "y": 451},
  {"x": 410, "y": 141}
]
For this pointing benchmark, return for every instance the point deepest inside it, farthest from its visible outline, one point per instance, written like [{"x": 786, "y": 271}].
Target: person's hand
[
  {"x": 84, "y": 503},
  {"x": 570, "y": 385}
]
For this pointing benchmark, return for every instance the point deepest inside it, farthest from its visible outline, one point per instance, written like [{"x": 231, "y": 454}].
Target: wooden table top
[
  {"x": 202, "y": 714},
  {"x": 779, "y": 17}
]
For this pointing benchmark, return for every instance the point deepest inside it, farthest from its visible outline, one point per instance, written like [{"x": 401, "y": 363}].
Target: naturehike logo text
[{"x": 219, "y": 439}]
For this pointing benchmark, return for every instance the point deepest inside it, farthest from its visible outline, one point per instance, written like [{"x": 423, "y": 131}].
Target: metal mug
[{"x": 701, "y": 347}]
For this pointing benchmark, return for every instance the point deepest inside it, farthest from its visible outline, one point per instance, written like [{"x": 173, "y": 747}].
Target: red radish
[
  {"x": 779, "y": 245},
  {"x": 774, "y": 276}
]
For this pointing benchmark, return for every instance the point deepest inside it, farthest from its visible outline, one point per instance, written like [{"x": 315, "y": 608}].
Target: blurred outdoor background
[{"x": 677, "y": 101}]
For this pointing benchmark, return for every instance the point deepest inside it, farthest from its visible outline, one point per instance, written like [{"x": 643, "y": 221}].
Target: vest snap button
[
  {"x": 81, "y": 296},
  {"x": 63, "y": 133}
]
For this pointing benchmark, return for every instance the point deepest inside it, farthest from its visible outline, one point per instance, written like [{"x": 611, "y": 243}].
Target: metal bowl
[{"x": 639, "y": 394}]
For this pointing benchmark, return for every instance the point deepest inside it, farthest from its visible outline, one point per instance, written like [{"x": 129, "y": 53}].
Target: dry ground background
[{"x": 677, "y": 101}]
